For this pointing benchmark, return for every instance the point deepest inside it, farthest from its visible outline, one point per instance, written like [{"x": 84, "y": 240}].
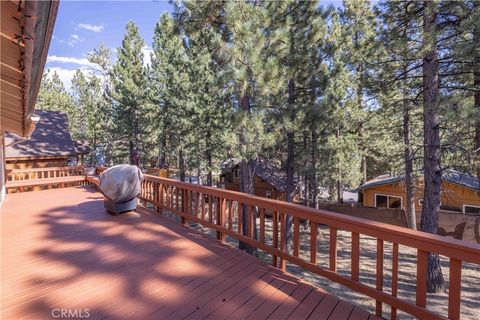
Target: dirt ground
[{"x": 470, "y": 295}]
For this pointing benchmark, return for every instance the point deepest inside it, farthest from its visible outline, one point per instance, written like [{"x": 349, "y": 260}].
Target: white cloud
[
  {"x": 65, "y": 75},
  {"x": 91, "y": 27},
  {"x": 78, "y": 61},
  {"x": 146, "y": 50},
  {"x": 74, "y": 39}
]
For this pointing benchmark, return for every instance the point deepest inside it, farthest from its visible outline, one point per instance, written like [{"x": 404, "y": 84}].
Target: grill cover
[{"x": 121, "y": 183}]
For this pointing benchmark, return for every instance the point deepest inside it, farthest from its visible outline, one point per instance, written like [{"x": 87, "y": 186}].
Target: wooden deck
[{"x": 61, "y": 254}]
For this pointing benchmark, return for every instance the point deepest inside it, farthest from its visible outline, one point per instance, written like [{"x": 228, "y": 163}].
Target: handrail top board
[
  {"x": 39, "y": 182},
  {"x": 45, "y": 169}
]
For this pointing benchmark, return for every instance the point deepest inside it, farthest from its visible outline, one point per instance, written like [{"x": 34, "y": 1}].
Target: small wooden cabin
[
  {"x": 50, "y": 144},
  {"x": 269, "y": 180},
  {"x": 82, "y": 149},
  {"x": 460, "y": 192}
]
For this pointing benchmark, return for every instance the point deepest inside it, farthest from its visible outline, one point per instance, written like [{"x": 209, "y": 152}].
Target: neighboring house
[
  {"x": 50, "y": 144},
  {"x": 460, "y": 192},
  {"x": 269, "y": 180},
  {"x": 82, "y": 149}
]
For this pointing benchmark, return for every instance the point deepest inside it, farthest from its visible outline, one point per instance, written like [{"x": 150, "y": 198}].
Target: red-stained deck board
[{"x": 60, "y": 250}]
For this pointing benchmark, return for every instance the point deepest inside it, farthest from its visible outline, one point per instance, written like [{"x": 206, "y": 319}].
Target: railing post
[
  {"x": 313, "y": 242},
  {"x": 421, "y": 294},
  {"x": 454, "y": 289},
  {"x": 355, "y": 256},
  {"x": 379, "y": 278}
]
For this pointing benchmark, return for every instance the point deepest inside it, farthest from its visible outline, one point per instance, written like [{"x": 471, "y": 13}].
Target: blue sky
[{"x": 82, "y": 25}]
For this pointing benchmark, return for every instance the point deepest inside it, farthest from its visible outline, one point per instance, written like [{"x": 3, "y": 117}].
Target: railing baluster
[
  {"x": 313, "y": 242},
  {"x": 274, "y": 236},
  {"x": 177, "y": 194},
  {"x": 421, "y": 294},
  {"x": 203, "y": 206},
  {"x": 230, "y": 214},
  {"x": 210, "y": 208},
  {"x": 333, "y": 249},
  {"x": 283, "y": 238},
  {"x": 296, "y": 236},
  {"x": 221, "y": 218},
  {"x": 355, "y": 256},
  {"x": 454, "y": 289},
  {"x": 161, "y": 197},
  {"x": 393, "y": 313},
  {"x": 240, "y": 217},
  {"x": 379, "y": 276},
  {"x": 194, "y": 204},
  {"x": 262, "y": 225},
  {"x": 186, "y": 206},
  {"x": 250, "y": 221}
]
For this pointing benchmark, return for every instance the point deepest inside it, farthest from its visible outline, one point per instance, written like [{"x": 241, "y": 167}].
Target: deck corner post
[{"x": 221, "y": 207}]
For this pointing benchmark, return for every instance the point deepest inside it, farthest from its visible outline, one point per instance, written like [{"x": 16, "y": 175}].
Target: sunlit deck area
[{"x": 62, "y": 251}]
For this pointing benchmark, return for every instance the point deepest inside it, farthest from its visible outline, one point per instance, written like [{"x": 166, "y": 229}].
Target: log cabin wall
[
  {"x": 261, "y": 187},
  {"x": 453, "y": 196}
]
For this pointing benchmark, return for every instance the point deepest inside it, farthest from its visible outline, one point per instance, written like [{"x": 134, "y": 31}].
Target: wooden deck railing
[
  {"x": 43, "y": 173},
  {"x": 220, "y": 210},
  {"x": 30, "y": 178}
]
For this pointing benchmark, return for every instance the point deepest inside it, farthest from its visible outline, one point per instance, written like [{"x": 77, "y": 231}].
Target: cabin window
[
  {"x": 471, "y": 210},
  {"x": 268, "y": 194},
  {"x": 386, "y": 201},
  {"x": 235, "y": 173}
]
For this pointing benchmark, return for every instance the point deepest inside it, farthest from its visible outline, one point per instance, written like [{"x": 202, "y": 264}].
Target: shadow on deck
[{"x": 64, "y": 257}]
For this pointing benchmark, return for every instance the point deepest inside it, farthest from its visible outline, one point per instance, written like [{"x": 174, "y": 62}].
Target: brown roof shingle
[{"x": 51, "y": 138}]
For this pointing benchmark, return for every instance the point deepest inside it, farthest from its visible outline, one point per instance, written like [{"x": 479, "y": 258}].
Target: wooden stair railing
[{"x": 220, "y": 210}]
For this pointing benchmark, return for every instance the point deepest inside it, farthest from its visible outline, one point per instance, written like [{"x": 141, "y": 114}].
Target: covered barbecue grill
[{"x": 121, "y": 185}]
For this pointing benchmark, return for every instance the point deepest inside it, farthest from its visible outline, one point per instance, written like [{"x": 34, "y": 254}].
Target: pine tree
[
  {"x": 87, "y": 94},
  {"x": 128, "y": 93},
  {"x": 53, "y": 96},
  {"x": 359, "y": 54},
  {"x": 104, "y": 137},
  {"x": 400, "y": 86},
  {"x": 169, "y": 89},
  {"x": 432, "y": 152}
]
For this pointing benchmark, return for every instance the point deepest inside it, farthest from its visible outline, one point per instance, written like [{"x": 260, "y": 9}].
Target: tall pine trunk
[
  {"x": 476, "y": 99},
  {"x": 408, "y": 158},
  {"x": 246, "y": 181},
  {"x": 409, "y": 179},
  {"x": 339, "y": 174},
  {"x": 134, "y": 140},
  {"x": 432, "y": 152},
  {"x": 306, "y": 176},
  {"x": 208, "y": 156},
  {"x": 181, "y": 165},
  {"x": 314, "y": 180},
  {"x": 289, "y": 165}
]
